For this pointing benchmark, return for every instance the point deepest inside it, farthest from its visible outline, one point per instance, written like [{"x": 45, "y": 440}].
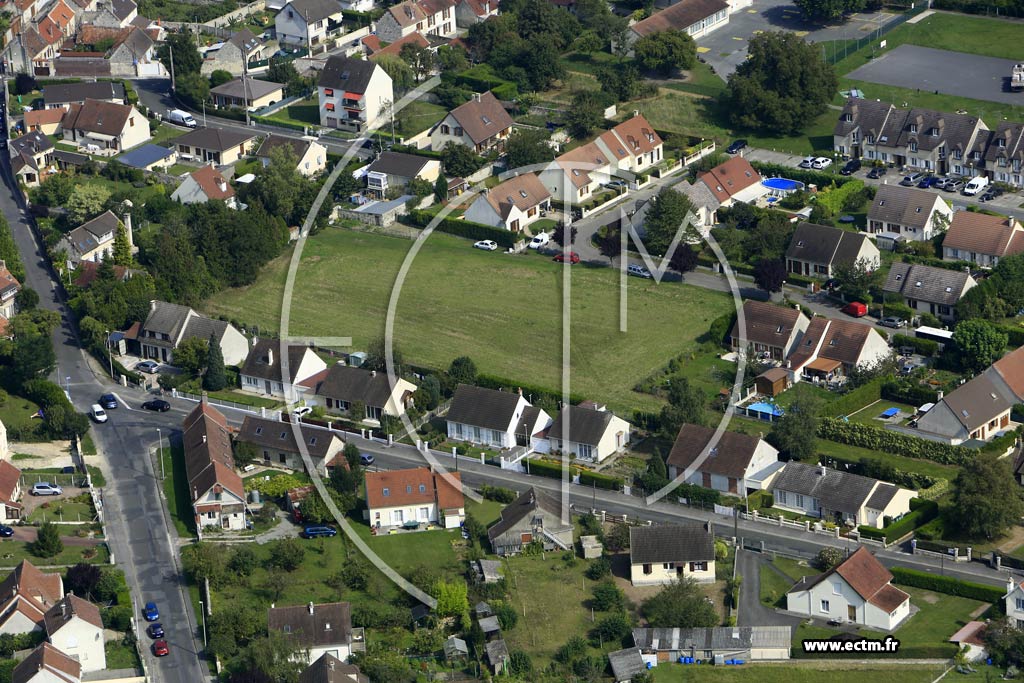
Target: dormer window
[
  {"x": 913, "y": 146},
  {"x": 259, "y": 430},
  {"x": 283, "y": 434},
  {"x": 898, "y": 277},
  {"x": 958, "y": 154},
  {"x": 1001, "y": 142},
  {"x": 919, "y": 209},
  {"x": 848, "y": 117},
  {"x": 800, "y": 243},
  {"x": 423, "y": 488},
  {"x": 913, "y": 128},
  {"x": 831, "y": 342},
  {"x": 935, "y": 132},
  {"x": 917, "y": 284},
  {"x": 386, "y": 492},
  {"x": 871, "y": 139},
  {"x": 881, "y": 202}
]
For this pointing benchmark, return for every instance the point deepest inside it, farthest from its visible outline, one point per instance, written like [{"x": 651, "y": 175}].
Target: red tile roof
[
  {"x": 42, "y": 589},
  {"x": 9, "y": 477},
  {"x": 39, "y": 117},
  {"x": 983, "y": 234},
  {"x": 213, "y": 184},
  {"x": 412, "y": 487},
  {"x": 730, "y": 177},
  {"x": 395, "y": 48},
  {"x": 47, "y": 658},
  {"x": 1011, "y": 368},
  {"x": 870, "y": 579}
]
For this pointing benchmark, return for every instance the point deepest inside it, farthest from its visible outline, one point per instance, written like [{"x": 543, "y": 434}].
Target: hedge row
[
  {"x": 871, "y": 532},
  {"x": 858, "y": 398},
  {"x": 1007, "y": 561},
  {"x": 553, "y": 470},
  {"x": 925, "y": 512},
  {"x": 947, "y": 585},
  {"x": 531, "y": 391},
  {"x": 908, "y": 393},
  {"x": 1015, "y": 335},
  {"x": 925, "y": 347},
  {"x": 886, "y": 441},
  {"x": 460, "y": 228},
  {"x": 985, "y": 7},
  {"x": 482, "y": 78},
  {"x": 933, "y": 546},
  {"x": 1002, "y": 443}
]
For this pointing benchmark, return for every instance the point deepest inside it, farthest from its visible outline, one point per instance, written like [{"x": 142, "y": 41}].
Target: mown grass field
[
  {"x": 505, "y": 312},
  {"x": 839, "y": 672}
]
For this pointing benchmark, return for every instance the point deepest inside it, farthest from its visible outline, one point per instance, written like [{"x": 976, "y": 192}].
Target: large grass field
[
  {"x": 804, "y": 672},
  {"x": 505, "y": 312}
]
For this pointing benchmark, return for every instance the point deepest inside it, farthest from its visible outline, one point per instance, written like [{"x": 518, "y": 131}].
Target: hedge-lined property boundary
[
  {"x": 553, "y": 470},
  {"x": 886, "y": 441},
  {"x": 947, "y": 585}
]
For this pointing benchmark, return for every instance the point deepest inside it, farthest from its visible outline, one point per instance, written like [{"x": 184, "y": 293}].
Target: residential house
[
  {"x": 533, "y": 517},
  {"x": 487, "y": 417},
  {"x": 815, "y": 250},
  {"x": 1004, "y": 154},
  {"x": 770, "y": 331},
  {"x": 330, "y": 669},
  {"x": 976, "y": 411},
  {"x": 971, "y": 641},
  {"x": 32, "y": 158},
  {"x": 35, "y": 48},
  {"x": 310, "y": 155},
  {"x": 354, "y": 94},
  {"x": 63, "y": 95},
  {"x": 632, "y": 145},
  {"x": 10, "y": 492},
  {"x": 104, "y": 128},
  {"x": 497, "y": 656},
  {"x": 217, "y": 491},
  {"x": 469, "y": 12},
  {"x": 831, "y": 348},
  {"x": 88, "y": 271},
  {"x": 167, "y": 325},
  {"x": 94, "y": 240},
  {"x": 747, "y": 643},
  {"x": 414, "y": 496},
  {"x": 704, "y": 201},
  {"x": 733, "y": 181},
  {"x": 9, "y": 288},
  {"x": 626, "y": 664},
  {"x": 134, "y": 55},
  {"x": 665, "y": 553},
  {"x": 277, "y": 443},
  {"x": 374, "y": 48},
  {"x": 74, "y": 627},
  {"x": 859, "y": 590},
  {"x": 1013, "y": 602},
  {"x": 246, "y": 92},
  {"x": 45, "y": 121},
  {"x": 588, "y": 432},
  {"x": 305, "y": 23},
  {"x": 215, "y": 145},
  {"x": 318, "y": 630},
  {"x": 25, "y": 597},
  {"x": 697, "y": 18},
  {"x": 234, "y": 54},
  {"x": 81, "y": 65},
  {"x": 513, "y": 205},
  {"x": 341, "y": 387},
  {"x": 481, "y": 124},
  {"x": 111, "y": 13},
  {"x": 838, "y": 496},
  {"x": 982, "y": 239},
  {"x": 47, "y": 664},
  {"x": 203, "y": 185},
  {"x": 395, "y": 170},
  {"x": 149, "y": 157},
  {"x": 429, "y": 17},
  {"x": 263, "y": 370},
  {"x": 929, "y": 289},
  {"x": 736, "y": 464},
  {"x": 907, "y": 213}
]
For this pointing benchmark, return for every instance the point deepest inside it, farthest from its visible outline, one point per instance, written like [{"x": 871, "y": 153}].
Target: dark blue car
[
  {"x": 928, "y": 182},
  {"x": 319, "y": 531},
  {"x": 156, "y": 631},
  {"x": 150, "y": 612},
  {"x": 108, "y": 401}
]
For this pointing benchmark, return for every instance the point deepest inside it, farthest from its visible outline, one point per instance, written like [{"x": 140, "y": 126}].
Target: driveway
[{"x": 752, "y": 611}]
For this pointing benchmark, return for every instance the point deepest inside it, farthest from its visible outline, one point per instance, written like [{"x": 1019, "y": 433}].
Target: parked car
[
  {"x": 911, "y": 179},
  {"x": 927, "y": 181},
  {"x": 97, "y": 413},
  {"x": 68, "y": 470},
  {"x": 617, "y": 185},
  {"x": 6, "y": 531},
  {"x": 877, "y": 172},
  {"x": 318, "y": 531},
  {"x": 486, "y": 245},
  {"x": 160, "y": 648},
  {"x": 807, "y": 162},
  {"x": 366, "y": 458},
  {"x": 855, "y": 308},
  {"x": 147, "y": 366},
  {"x": 44, "y": 488},
  {"x": 156, "y": 630},
  {"x": 108, "y": 401},
  {"x": 539, "y": 240},
  {"x": 150, "y": 612},
  {"x": 302, "y": 411},
  {"x": 851, "y": 167},
  {"x": 157, "y": 404},
  {"x": 975, "y": 185},
  {"x": 940, "y": 183},
  {"x": 953, "y": 185},
  {"x": 736, "y": 146},
  {"x": 639, "y": 271},
  {"x": 571, "y": 257},
  {"x": 892, "y": 321},
  {"x": 821, "y": 163},
  {"x": 989, "y": 195}
]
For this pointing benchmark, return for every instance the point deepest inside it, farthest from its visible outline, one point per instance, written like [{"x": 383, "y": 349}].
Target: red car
[
  {"x": 572, "y": 257},
  {"x": 855, "y": 309},
  {"x": 160, "y": 648}
]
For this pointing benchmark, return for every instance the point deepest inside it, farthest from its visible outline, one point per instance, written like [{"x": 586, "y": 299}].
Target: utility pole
[
  {"x": 245, "y": 88},
  {"x": 170, "y": 49}
]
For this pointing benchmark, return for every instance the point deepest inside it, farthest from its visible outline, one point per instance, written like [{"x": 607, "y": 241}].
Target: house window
[
  {"x": 913, "y": 146},
  {"x": 1020, "y": 604},
  {"x": 282, "y": 458},
  {"x": 329, "y": 106},
  {"x": 667, "y": 565},
  {"x": 423, "y": 488},
  {"x": 386, "y": 492},
  {"x": 266, "y": 456},
  {"x": 458, "y": 131},
  {"x": 445, "y": 129},
  {"x": 698, "y": 566},
  {"x": 799, "y": 500},
  {"x": 837, "y": 588},
  {"x": 824, "y": 606},
  {"x": 648, "y": 569},
  {"x": 424, "y": 513},
  {"x": 328, "y": 92}
]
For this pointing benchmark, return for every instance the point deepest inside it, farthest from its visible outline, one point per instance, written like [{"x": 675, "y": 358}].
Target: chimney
[
  {"x": 205, "y": 400},
  {"x": 939, "y": 394},
  {"x": 476, "y": 97},
  {"x": 310, "y": 607},
  {"x": 204, "y": 438},
  {"x": 223, "y": 186},
  {"x": 373, "y": 373},
  {"x": 270, "y": 356},
  {"x": 520, "y": 390},
  {"x": 708, "y": 527},
  {"x": 1010, "y": 584},
  {"x": 152, "y": 304},
  {"x": 330, "y": 663},
  {"x": 636, "y": 112},
  {"x": 821, "y": 470},
  {"x": 532, "y": 498}
]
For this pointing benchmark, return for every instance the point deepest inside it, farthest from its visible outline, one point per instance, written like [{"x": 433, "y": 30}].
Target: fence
[
  {"x": 224, "y": 403},
  {"x": 843, "y": 49}
]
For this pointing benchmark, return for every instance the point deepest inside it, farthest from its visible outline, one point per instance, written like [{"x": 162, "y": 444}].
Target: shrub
[
  {"x": 856, "y": 399},
  {"x": 498, "y": 494},
  {"x": 926, "y": 511},
  {"x": 871, "y": 532},
  {"x": 907, "y": 392},
  {"x": 531, "y": 391},
  {"x": 460, "y": 228},
  {"x": 947, "y": 585},
  {"x": 877, "y": 439},
  {"x": 598, "y": 569},
  {"x": 925, "y": 347},
  {"x": 117, "y": 618}
]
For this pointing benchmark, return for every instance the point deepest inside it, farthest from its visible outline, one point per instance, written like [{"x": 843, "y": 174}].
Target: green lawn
[
  {"x": 487, "y": 512},
  {"x": 164, "y": 134},
  {"x": 303, "y": 112},
  {"x": 407, "y": 552},
  {"x": 179, "y": 502},
  {"x": 178, "y": 169},
  {"x": 121, "y": 656},
  {"x": 17, "y": 414},
  {"x": 12, "y": 552},
  {"x": 502, "y": 311},
  {"x": 793, "y": 673},
  {"x": 88, "y": 445},
  {"x": 417, "y": 117},
  {"x": 773, "y": 587},
  {"x": 78, "y": 509}
]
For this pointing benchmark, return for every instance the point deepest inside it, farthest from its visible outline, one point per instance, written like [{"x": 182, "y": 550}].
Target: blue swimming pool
[
  {"x": 765, "y": 409},
  {"x": 782, "y": 184}
]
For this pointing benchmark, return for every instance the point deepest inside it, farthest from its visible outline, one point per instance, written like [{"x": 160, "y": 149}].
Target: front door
[
  {"x": 851, "y": 613},
  {"x": 267, "y": 386}
]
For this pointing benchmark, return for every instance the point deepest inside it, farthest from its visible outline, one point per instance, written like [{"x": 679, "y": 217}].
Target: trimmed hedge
[
  {"x": 460, "y": 228},
  {"x": 947, "y": 585},
  {"x": 925, "y": 347},
  {"x": 871, "y": 532},
  {"x": 908, "y": 393},
  {"x": 985, "y": 7},
  {"x": 601, "y": 481},
  {"x": 877, "y": 439},
  {"x": 926, "y": 511},
  {"x": 553, "y": 470},
  {"x": 1015, "y": 335},
  {"x": 532, "y": 391}
]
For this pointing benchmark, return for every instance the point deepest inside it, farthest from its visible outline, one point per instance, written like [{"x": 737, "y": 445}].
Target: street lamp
[
  {"x": 67, "y": 383},
  {"x": 160, "y": 451},
  {"x": 110, "y": 355},
  {"x": 202, "y": 610}
]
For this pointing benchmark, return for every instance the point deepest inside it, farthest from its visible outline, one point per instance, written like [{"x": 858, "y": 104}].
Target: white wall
[
  {"x": 399, "y": 515},
  {"x": 80, "y": 639},
  {"x": 665, "y": 573}
]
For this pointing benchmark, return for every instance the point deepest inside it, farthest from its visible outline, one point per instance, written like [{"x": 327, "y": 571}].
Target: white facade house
[
  {"x": 47, "y": 664},
  {"x": 430, "y": 17},
  {"x": 94, "y": 239},
  {"x": 74, "y": 627},
  {"x": 487, "y": 417},
  {"x": 858, "y": 591},
  {"x": 276, "y": 444},
  {"x": 167, "y": 325},
  {"x": 1013, "y": 601},
  {"x": 908, "y": 213},
  {"x": 480, "y": 124},
  {"x": 396, "y": 498},
  {"x": 661, "y": 554},
  {"x": 10, "y": 490},
  {"x": 736, "y": 465},
  {"x": 25, "y": 597},
  {"x": 831, "y": 348},
  {"x": 588, "y": 432},
  {"x": 307, "y": 22},
  {"x": 513, "y": 205},
  {"x": 340, "y": 387},
  {"x": 354, "y": 94},
  {"x": 315, "y": 630},
  {"x": 104, "y": 127},
  {"x": 310, "y": 155},
  {"x": 838, "y": 496},
  {"x": 217, "y": 491},
  {"x": 263, "y": 370}
]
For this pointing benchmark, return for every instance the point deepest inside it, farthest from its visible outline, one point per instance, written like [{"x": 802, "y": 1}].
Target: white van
[
  {"x": 976, "y": 185},
  {"x": 539, "y": 240},
  {"x": 97, "y": 413},
  {"x": 182, "y": 118}
]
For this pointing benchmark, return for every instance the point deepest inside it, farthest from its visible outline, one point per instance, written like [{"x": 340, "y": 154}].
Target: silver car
[{"x": 43, "y": 488}]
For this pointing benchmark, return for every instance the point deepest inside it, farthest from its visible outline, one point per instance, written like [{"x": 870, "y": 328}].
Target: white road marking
[{"x": 123, "y": 402}]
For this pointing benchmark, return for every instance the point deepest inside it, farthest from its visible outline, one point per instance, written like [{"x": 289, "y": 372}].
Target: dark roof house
[{"x": 658, "y": 543}]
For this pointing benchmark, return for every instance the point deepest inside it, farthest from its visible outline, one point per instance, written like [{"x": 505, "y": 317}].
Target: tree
[
  {"x": 26, "y": 299},
  {"x": 686, "y": 404},
  {"x": 462, "y": 370},
  {"x": 420, "y": 59},
  {"x": 770, "y": 274},
  {"x": 192, "y": 354},
  {"x": 286, "y": 554},
  {"x": 617, "y": 538},
  {"x": 86, "y": 201},
  {"x": 527, "y": 146},
  {"x": 519, "y": 663},
  {"x": 32, "y": 357},
  {"x": 666, "y": 51},
  {"x": 47, "y": 543},
  {"x": 122, "y": 255},
  {"x": 608, "y": 597},
  {"x": 460, "y": 160},
  {"x": 856, "y": 279},
  {"x": 668, "y": 213},
  {"x": 284, "y": 72},
  {"x": 586, "y": 112},
  {"x": 193, "y": 89},
  {"x": 1004, "y": 642},
  {"x": 220, "y": 77},
  {"x": 620, "y": 83},
  {"x": 278, "y": 186},
  {"x": 82, "y": 580},
  {"x": 451, "y": 58},
  {"x": 506, "y": 614},
  {"x": 428, "y": 396},
  {"x": 795, "y": 433},
  {"x": 680, "y": 604},
  {"x": 986, "y": 498},
  {"x": 825, "y": 11},
  {"x": 376, "y": 356},
  {"x": 243, "y": 561},
  {"x": 558, "y": 235},
  {"x": 187, "y": 59},
  {"x": 24, "y": 83},
  {"x": 452, "y": 598},
  {"x": 441, "y": 188},
  {"x": 979, "y": 344},
  {"x": 684, "y": 259},
  {"x": 402, "y": 76},
  {"x": 205, "y": 562},
  {"x": 828, "y": 558},
  {"x": 216, "y": 377},
  {"x": 352, "y": 456},
  {"x": 609, "y": 242},
  {"x": 783, "y": 85}
]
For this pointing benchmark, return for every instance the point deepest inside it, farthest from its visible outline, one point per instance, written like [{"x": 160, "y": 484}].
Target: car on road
[
  {"x": 953, "y": 185},
  {"x": 639, "y": 271},
  {"x": 911, "y": 179},
  {"x": 807, "y": 162},
  {"x": 736, "y": 146},
  {"x": 486, "y": 245},
  {"x": 97, "y": 413},
  {"x": 877, "y": 172},
  {"x": 150, "y": 612},
  {"x": 6, "y": 531},
  {"x": 160, "y": 648},
  {"x": 149, "y": 366},
  {"x": 156, "y": 630},
  {"x": 157, "y": 404},
  {"x": 108, "y": 401},
  {"x": 851, "y": 167},
  {"x": 571, "y": 257},
  {"x": 45, "y": 488},
  {"x": 616, "y": 185},
  {"x": 539, "y": 240},
  {"x": 821, "y": 163},
  {"x": 892, "y": 321},
  {"x": 302, "y": 411},
  {"x": 319, "y": 531},
  {"x": 366, "y": 458}
]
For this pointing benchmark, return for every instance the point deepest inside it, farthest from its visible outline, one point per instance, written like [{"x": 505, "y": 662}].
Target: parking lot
[
  {"x": 726, "y": 48},
  {"x": 941, "y": 71}
]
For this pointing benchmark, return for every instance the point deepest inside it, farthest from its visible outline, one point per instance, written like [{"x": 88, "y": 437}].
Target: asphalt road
[{"x": 751, "y": 611}]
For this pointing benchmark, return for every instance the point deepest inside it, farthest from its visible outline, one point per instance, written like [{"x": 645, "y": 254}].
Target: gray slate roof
[
  {"x": 32, "y": 143},
  {"x": 528, "y": 501},
  {"x": 216, "y": 139},
  {"x": 490, "y": 624},
  {"x": 700, "y": 194},
  {"x": 280, "y": 436},
  {"x": 455, "y": 647},
  {"x": 670, "y": 543},
  {"x": 486, "y": 408},
  {"x": 836, "y": 489},
  {"x": 399, "y": 164},
  {"x": 352, "y": 75},
  {"x": 882, "y": 495},
  {"x": 626, "y": 663},
  {"x": 497, "y": 652},
  {"x": 586, "y": 425},
  {"x": 346, "y": 383},
  {"x": 84, "y": 238},
  {"x": 903, "y": 205},
  {"x": 977, "y": 402},
  {"x": 714, "y": 638},
  {"x": 823, "y": 244},
  {"x": 245, "y": 41},
  {"x": 264, "y": 360},
  {"x": 251, "y": 89},
  {"x": 66, "y": 93},
  {"x": 144, "y": 156},
  {"x": 315, "y": 10},
  {"x": 328, "y": 624},
  {"x": 166, "y": 318},
  {"x": 927, "y": 283}
]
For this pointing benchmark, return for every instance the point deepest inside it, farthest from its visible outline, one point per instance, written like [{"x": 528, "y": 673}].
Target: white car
[
  {"x": 807, "y": 162},
  {"x": 487, "y": 245},
  {"x": 97, "y": 413},
  {"x": 539, "y": 240},
  {"x": 820, "y": 163}
]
